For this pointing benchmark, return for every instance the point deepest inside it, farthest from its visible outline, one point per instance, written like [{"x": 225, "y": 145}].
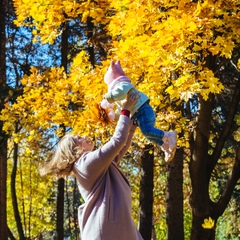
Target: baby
[{"x": 119, "y": 85}]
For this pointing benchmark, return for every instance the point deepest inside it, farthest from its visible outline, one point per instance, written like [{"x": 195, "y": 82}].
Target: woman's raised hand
[{"x": 130, "y": 101}]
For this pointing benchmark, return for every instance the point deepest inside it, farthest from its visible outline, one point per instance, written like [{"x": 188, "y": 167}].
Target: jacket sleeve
[
  {"x": 94, "y": 164},
  {"x": 119, "y": 92},
  {"x": 126, "y": 146}
]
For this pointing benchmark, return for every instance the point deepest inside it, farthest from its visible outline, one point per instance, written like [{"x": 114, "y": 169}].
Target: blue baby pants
[{"x": 145, "y": 119}]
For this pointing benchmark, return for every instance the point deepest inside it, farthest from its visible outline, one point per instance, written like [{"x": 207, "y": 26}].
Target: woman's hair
[{"x": 61, "y": 164}]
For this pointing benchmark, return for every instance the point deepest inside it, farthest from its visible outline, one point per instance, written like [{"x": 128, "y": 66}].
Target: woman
[{"x": 106, "y": 213}]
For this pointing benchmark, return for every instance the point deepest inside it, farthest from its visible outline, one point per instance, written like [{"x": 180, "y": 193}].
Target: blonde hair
[{"x": 61, "y": 164}]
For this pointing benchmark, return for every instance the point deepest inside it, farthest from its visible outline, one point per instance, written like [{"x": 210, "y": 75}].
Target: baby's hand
[
  {"x": 109, "y": 109},
  {"x": 105, "y": 104}
]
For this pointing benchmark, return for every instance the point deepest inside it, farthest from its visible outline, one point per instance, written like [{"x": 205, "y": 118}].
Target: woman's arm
[
  {"x": 126, "y": 146},
  {"x": 93, "y": 164},
  {"x": 127, "y": 104}
]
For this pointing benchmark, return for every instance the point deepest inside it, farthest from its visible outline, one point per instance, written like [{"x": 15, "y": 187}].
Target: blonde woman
[{"x": 106, "y": 212}]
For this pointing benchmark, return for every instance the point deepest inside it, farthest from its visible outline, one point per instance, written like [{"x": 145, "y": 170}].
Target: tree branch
[
  {"x": 223, "y": 136},
  {"x": 230, "y": 185}
]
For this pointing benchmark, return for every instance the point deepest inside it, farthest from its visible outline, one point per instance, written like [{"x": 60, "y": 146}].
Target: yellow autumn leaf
[
  {"x": 85, "y": 16},
  {"x": 238, "y": 63},
  {"x": 205, "y": 3},
  {"x": 228, "y": 49},
  {"x": 215, "y": 49},
  {"x": 218, "y": 22},
  {"x": 16, "y": 139},
  {"x": 192, "y": 26},
  {"x": 208, "y": 223},
  {"x": 27, "y": 2},
  {"x": 186, "y": 95},
  {"x": 219, "y": 40},
  {"x": 237, "y": 119},
  {"x": 236, "y": 135},
  {"x": 28, "y": 151},
  {"x": 198, "y": 9}
]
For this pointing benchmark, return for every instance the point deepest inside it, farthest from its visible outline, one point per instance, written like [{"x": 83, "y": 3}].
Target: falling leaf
[{"x": 208, "y": 223}]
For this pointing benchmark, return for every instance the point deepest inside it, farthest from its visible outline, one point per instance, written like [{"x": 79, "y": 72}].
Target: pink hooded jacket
[{"x": 106, "y": 213}]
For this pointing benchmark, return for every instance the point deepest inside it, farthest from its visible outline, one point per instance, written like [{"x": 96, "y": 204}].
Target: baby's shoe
[{"x": 169, "y": 145}]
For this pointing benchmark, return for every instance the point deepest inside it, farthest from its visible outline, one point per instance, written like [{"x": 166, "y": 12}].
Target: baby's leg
[{"x": 146, "y": 119}]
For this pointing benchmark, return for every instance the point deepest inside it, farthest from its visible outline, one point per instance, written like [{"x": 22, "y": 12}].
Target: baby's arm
[{"x": 119, "y": 92}]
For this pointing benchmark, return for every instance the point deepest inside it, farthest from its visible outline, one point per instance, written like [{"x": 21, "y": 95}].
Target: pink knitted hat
[{"x": 114, "y": 71}]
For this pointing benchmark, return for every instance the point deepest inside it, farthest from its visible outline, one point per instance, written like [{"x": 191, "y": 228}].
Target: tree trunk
[
  {"x": 3, "y": 136},
  {"x": 61, "y": 182},
  {"x": 68, "y": 208},
  {"x": 76, "y": 203},
  {"x": 14, "y": 195},
  {"x": 64, "y": 47},
  {"x": 60, "y": 209},
  {"x": 200, "y": 201},
  {"x": 2, "y": 44},
  {"x": 174, "y": 198},
  {"x": 10, "y": 235},
  {"x": 146, "y": 193},
  {"x": 202, "y": 164},
  {"x": 3, "y": 180},
  {"x": 90, "y": 49}
]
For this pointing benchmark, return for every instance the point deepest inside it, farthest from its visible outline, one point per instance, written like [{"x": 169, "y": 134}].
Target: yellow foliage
[
  {"x": 30, "y": 188},
  {"x": 49, "y": 15},
  {"x": 236, "y": 135},
  {"x": 54, "y": 98},
  {"x": 188, "y": 85},
  {"x": 162, "y": 46}
]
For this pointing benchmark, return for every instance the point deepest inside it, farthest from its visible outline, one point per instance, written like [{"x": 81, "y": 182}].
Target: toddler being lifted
[{"x": 119, "y": 85}]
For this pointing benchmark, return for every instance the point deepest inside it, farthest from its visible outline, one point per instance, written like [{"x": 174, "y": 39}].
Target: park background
[{"x": 184, "y": 54}]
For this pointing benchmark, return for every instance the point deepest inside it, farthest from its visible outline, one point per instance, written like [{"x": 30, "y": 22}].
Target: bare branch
[
  {"x": 223, "y": 136},
  {"x": 234, "y": 65},
  {"x": 230, "y": 185}
]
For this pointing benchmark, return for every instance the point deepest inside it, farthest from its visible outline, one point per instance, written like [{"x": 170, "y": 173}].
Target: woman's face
[{"x": 85, "y": 143}]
